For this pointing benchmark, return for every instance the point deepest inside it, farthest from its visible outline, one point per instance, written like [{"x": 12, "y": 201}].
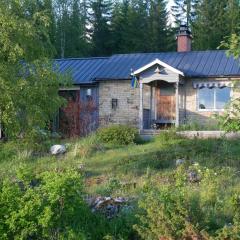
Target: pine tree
[
  {"x": 62, "y": 25},
  {"x": 160, "y": 36},
  {"x": 76, "y": 40},
  {"x": 120, "y": 25},
  {"x": 232, "y": 15},
  {"x": 137, "y": 31},
  {"x": 100, "y": 32},
  {"x": 213, "y": 22},
  {"x": 184, "y": 11}
]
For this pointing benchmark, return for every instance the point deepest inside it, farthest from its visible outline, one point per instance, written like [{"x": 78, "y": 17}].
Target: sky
[{"x": 169, "y": 4}]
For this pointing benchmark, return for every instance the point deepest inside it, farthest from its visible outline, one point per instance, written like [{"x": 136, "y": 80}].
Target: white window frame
[{"x": 214, "y": 109}]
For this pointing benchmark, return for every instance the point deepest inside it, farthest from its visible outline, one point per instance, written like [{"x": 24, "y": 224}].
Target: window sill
[{"x": 210, "y": 110}]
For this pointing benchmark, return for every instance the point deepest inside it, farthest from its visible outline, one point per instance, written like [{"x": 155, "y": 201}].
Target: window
[
  {"x": 213, "y": 99},
  {"x": 114, "y": 103}
]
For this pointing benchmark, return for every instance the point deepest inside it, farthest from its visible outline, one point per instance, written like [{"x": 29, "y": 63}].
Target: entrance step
[
  {"x": 151, "y": 132},
  {"x": 148, "y": 134}
]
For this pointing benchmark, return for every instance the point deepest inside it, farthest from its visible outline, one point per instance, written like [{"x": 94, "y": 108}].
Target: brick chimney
[{"x": 184, "y": 39}]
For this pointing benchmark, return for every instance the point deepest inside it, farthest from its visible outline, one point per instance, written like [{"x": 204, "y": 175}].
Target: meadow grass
[{"x": 128, "y": 164}]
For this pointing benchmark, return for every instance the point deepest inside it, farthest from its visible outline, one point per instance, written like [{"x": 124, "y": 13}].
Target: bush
[
  {"x": 176, "y": 210},
  {"x": 49, "y": 206},
  {"x": 118, "y": 134}
]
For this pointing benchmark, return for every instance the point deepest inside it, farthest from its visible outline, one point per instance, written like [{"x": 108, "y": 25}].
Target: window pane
[
  {"x": 222, "y": 97},
  {"x": 206, "y": 98}
]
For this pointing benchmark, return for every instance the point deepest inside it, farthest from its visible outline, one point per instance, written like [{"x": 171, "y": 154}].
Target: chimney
[{"x": 184, "y": 39}]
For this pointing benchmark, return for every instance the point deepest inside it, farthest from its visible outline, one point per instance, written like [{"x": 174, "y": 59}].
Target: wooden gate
[{"x": 165, "y": 104}]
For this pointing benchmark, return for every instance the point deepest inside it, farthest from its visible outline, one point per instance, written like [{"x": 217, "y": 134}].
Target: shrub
[
  {"x": 179, "y": 209},
  {"x": 118, "y": 134},
  {"x": 48, "y": 207},
  {"x": 51, "y": 205}
]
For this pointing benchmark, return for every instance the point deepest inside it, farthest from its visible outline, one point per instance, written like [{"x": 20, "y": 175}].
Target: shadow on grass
[{"x": 161, "y": 154}]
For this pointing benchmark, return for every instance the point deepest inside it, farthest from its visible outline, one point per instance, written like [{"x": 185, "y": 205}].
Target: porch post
[
  {"x": 151, "y": 105},
  {"x": 177, "y": 104},
  {"x": 141, "y": 106}
]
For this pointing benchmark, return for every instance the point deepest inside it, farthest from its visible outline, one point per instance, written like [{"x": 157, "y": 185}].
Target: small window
[
  {"x": 213, "y": 99},
  {"x": 114, "y": 103},
  {"x": 89, "y": 92}
]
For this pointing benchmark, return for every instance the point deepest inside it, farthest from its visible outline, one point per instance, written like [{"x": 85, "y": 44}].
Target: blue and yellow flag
[{"x": 134, "y": 82}]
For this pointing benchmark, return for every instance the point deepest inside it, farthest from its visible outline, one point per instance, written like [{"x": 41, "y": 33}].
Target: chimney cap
[
  {"x": 184, "y": 30},
  {"x": 184, "y": 39}
]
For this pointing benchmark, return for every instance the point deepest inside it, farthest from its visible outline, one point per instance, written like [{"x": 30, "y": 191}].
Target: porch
[{"x": 160, "y": 108}]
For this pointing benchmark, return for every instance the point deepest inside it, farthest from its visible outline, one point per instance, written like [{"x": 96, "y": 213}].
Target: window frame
[{"x": 214, "y": 109}]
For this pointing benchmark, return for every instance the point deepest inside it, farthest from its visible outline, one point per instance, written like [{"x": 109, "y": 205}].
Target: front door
[{"x": 165, "y": 104}]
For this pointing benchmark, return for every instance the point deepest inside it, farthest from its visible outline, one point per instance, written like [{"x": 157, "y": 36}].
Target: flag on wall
[{"x": 134, "y": 82}]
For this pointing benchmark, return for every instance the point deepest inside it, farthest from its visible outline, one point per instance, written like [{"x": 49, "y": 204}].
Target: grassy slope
[{"x": 104, "y": 163}]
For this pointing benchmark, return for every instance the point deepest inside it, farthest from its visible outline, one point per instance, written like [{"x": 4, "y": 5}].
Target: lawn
[{"x": 102, "y": 162}]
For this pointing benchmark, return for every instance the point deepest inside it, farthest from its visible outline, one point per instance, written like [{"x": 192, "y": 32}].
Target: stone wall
[{"x": 127, "y": 111}]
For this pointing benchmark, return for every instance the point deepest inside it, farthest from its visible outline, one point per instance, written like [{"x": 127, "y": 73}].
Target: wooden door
[{"x": 165, "y": 104}]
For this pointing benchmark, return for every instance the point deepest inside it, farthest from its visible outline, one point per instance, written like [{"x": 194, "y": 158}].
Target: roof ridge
[
  {"x": 80, "y": 58},
  {"x": 193, "y": 51},
  {"x": 137, "y": 53}
]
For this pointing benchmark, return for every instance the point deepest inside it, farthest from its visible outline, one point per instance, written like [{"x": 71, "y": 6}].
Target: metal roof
[
  {"x": 82, "y": 70},
  {"x": 192, "y": 64}
]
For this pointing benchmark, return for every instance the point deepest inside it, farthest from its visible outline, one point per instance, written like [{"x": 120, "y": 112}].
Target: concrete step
[{"x": 151, "y": 132}]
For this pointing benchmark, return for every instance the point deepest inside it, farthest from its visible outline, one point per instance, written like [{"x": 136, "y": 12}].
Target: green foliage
[
  {"x": 29, "y": 87},
  {"x": 86, "y": 147},
  {"x": 232, "y": 44},
  {"x": 168, "y": 203},
  {"x": 49, "y": 206},
  {"x": 184, "y": 11},
  {"x": 118, "y": 134},
  {"x": 180, "y": 209},
  {"x": 100, "y": 30},
  {"x": 229, "y": 120},
  {"x": 69, "y": 19},
  {"x": 214, "y": 20},
  {"x": 153, "y": 33}
]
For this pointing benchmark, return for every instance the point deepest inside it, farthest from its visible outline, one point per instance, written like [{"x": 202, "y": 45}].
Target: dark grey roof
[
  {"x": 82, "y": 70},
  {"x": 192, "y": 64}
]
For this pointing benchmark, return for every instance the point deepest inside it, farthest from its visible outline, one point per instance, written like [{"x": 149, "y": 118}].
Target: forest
[{"x": 83, "y": 28}]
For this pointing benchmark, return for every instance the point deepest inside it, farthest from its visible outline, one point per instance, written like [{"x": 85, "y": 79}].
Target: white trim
[
  {"x": 211, "y": 110},
  {"x": 210, "y": 84},
  {"x": 147, "y": 80},
  {"x": 159, "y": 62}
]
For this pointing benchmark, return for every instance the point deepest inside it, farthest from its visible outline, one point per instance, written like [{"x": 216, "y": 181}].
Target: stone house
[{"x": 173, "y": 88}]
